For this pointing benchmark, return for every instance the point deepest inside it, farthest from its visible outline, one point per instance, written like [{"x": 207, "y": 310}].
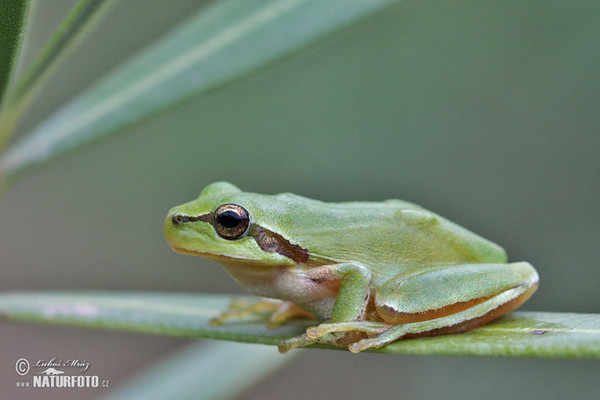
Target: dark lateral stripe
[
  {"x": 180, "y": 219},
  {"x": 271, "y": 241}
]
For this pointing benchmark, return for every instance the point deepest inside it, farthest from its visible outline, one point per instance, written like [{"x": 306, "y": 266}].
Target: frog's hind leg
[
  {"x": 437, "y": 291},
  {"x": 461, "y": 321},
  {"x": 449, "y": 299}
]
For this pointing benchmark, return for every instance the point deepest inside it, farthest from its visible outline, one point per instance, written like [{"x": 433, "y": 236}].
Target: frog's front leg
[
  {"x": 280, "y": 311},
  {"x": 350, "y": 304}
]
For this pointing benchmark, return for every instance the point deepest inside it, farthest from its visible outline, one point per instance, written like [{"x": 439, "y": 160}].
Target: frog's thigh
[{"x": 437, "y": 291}]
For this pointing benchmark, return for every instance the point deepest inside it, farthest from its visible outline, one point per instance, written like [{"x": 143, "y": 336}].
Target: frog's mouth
[{"x": 213, "y": 256}]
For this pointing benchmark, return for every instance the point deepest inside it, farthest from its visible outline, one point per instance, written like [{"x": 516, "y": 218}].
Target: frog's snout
[{"x": 179, "y": 219}]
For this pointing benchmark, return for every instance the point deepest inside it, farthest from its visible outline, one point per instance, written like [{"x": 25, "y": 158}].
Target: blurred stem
[
  {"x": 80, "y": 21},
  {"x": 9, "y": 116}
]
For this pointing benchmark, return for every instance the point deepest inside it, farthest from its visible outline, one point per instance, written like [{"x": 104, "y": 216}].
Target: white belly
[{"x": 285, "y": 283}]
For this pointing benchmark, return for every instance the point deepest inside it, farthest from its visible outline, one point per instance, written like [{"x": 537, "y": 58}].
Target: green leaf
[
  {"x": 13, "y": 16},
  {"x": 199, "y": 369},
  {"x": 173, "y": 314},
  {"x": 225, "y": 42},
  {"x": 82, "y": 18},
  {"x": 531, "y": 334}
]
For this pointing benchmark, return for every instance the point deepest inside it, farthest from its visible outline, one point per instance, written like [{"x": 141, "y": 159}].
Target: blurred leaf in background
[
  {"x": 229, "y": 40},
  {"x": 14, "y": 16},
  {"x": 81, "y": 20},
  {"x": 203, "y": 371}
]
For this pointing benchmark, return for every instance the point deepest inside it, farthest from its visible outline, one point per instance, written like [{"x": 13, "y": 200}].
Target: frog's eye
[{"x": 231, "y": 221}]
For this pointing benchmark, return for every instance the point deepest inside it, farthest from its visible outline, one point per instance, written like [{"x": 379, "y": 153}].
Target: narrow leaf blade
[
  {"x": 523, "y": 334},
  {"x": 228, "y": 41},
  {"x": 13, "y": 16},
  {"x": 81, "y": 20}
]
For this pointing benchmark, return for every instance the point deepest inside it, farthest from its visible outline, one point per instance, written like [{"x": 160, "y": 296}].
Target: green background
[{"x": 484, "y": 112}]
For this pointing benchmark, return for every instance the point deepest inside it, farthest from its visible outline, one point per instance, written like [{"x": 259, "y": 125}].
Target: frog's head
[{"x": 224, "y": 224}]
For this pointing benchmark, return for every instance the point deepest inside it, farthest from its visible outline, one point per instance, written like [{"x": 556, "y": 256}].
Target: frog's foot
[
  {"x": 368, "y": 327},
  {"x": 241, "y": 308},
  {"x": 298, "y": 341},
  {"x": 280, "y": 311},
  {"x": 394, "y": 333},
  {"x": 286, "y": 311},
  {"x": 339, "y": 334}
]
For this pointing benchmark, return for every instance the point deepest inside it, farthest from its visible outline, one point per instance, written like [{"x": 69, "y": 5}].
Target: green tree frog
[{"x": 373, "y": 272}]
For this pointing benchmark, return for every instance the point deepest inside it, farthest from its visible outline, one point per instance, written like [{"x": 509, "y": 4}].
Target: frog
[{"x": 370, "y": 272}]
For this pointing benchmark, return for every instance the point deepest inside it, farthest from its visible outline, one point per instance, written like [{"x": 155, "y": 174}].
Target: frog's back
[{"x": 387, "y": 236}]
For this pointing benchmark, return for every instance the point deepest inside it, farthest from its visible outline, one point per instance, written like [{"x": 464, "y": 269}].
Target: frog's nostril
[{"x": 178, "y": 219}]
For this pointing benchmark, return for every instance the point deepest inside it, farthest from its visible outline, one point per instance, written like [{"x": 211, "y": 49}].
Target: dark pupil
[{"x": 229, "y": 219}]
